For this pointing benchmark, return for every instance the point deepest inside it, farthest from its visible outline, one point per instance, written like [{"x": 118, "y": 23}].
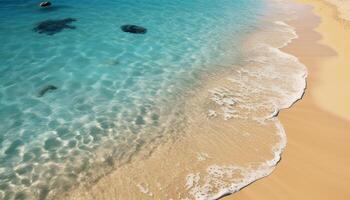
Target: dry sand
[
  {"x": 343, "y": 6},
  {"x": 315, "y": 164}
]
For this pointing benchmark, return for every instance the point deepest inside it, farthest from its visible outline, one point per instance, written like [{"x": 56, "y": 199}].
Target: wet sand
[
  {"x": 315, "y": 164},
  {"x": 178, "y": 169},
  {"x": 230, "y": 136}
]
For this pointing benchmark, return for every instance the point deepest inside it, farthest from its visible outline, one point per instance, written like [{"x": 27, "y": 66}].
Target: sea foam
[
  {"x": 270, "y": 80},
  {"x": 119, "y": 94}
]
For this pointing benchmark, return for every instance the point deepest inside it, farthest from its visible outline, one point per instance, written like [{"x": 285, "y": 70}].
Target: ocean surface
[{"x": 78, "y": 95}]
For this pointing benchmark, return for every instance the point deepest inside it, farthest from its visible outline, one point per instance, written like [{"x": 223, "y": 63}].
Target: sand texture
[
  {"x": 315, "y": 164},
  {"x": 343, "y": 6}
]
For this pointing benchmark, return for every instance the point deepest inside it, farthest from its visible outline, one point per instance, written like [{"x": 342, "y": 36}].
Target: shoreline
[
  {"x": 217, "y": 155},
  {"x": 314, "y": 164},
  {"x": 228, "y": 131}
]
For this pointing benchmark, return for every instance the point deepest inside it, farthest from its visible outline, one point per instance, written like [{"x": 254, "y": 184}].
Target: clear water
[{"x": 117, "y": 91}]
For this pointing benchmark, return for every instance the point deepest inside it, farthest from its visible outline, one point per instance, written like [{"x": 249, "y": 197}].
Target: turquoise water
[{"x": 116, "y": 91}]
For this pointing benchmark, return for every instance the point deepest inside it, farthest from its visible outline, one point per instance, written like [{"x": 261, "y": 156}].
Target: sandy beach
[
  {"x": 230, "y": 135},
  {"x": 175, "y": 100},
  {"x": 315, "y": 162}
]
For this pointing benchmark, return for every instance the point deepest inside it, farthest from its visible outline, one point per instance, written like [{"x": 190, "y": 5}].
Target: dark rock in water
[
  {"x": 45, "y": 89},
  {"x": 45, "y": 4},
  {"x": 133, "y": 29},
  {"x": 51, "y": 27}
]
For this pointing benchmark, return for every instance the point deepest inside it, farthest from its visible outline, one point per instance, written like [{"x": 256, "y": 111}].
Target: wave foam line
[{"x": 250, "y": 175}]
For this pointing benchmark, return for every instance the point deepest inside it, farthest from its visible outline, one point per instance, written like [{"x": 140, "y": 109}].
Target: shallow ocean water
[{"x": 117, "y": 91}]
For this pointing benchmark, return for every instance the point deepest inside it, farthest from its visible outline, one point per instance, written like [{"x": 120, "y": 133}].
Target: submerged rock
[
  {"x": 45, "y": 89},
  {"x": 51, "y": 27},
  {"x": 133, "y": 29},
  {"x": 45, "y": 4}
]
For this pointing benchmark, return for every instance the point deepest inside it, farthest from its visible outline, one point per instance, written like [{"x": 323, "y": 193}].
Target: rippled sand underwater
[{"x": 175, "y": 102}]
